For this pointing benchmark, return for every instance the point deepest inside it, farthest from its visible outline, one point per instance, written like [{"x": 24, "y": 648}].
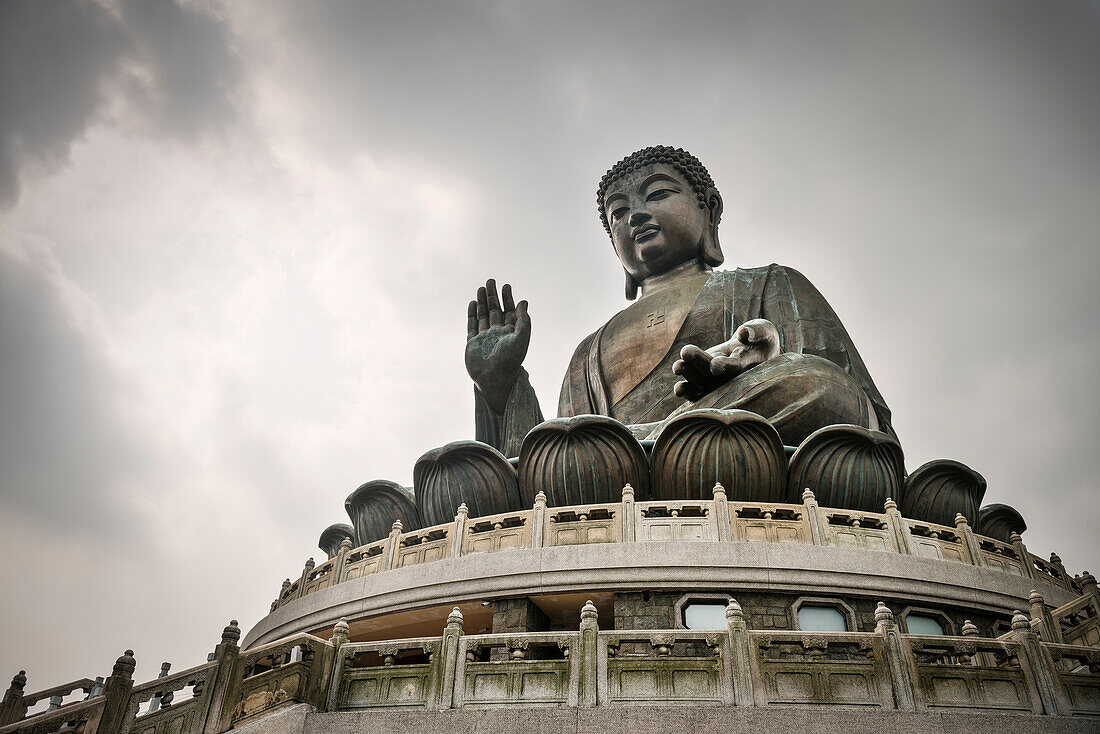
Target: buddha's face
[{"x": 655, "y": 219}]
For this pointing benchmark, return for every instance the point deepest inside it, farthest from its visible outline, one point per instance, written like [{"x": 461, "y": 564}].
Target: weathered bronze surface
[
  {"x": 581, "y": 460},
  {"x": 375, "y": 505},
  {"x": 942, "y": 488},
  {"x": 760, "y": 339},
  {"x": 736, "y": 448},
  {"x": 849, "y": 467},
  {"x": 467, "y": 472}
]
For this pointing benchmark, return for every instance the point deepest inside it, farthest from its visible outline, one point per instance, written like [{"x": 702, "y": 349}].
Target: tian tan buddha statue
[
  {"x": 762, "y": 339},
  {"x": 740, "y": 381}
]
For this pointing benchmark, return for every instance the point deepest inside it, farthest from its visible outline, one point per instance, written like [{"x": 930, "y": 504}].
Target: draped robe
[{"x": 819, "y": 379}]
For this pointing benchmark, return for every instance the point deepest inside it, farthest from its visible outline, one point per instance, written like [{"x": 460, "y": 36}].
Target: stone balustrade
[
  {"x": 714, "y": 520},
  {"x": 884, "y": 670}
]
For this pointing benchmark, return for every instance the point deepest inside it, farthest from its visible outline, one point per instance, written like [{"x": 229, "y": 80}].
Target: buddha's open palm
[
  {"x": 496, "y": 342},
  {"x": 754, "y": 342}
]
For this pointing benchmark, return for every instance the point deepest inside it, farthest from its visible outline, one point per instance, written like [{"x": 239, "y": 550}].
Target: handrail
[{"x": 954, "y": 544}]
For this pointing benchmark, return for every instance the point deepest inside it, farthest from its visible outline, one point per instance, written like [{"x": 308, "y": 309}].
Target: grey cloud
[
  {"x": 62, "y": 62},
  {"x": 63, "y": 445},
  {"x": 54, "y": 58}
]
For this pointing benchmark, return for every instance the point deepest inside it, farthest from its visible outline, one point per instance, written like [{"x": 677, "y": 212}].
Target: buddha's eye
[
  {"x": 617, "y": 213},
  {"x": 659, "y": 194}
]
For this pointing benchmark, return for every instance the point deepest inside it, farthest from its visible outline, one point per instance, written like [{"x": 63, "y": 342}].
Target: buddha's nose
[{"x": 638, "y": 216}]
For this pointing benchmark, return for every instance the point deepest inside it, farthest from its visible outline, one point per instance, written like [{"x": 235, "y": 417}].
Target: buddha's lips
[{"x": 645, "y": 232}]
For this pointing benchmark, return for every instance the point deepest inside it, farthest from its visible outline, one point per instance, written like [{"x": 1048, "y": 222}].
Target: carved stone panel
[
  {"x": 586, "y": 459},
  {"x": 467, "y": 472},
  {"x": 849, "y": 467},
  {"x": 374, "y": 506},
  {"x": 942, "y": 488},
  {"x": 738, "y": 449}
]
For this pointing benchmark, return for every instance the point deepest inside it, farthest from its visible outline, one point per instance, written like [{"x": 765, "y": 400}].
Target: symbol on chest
[{"x": 653, "y": 319}]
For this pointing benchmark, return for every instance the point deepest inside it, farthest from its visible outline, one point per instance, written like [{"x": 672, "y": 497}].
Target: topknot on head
[{"x": 684, "y": 162}]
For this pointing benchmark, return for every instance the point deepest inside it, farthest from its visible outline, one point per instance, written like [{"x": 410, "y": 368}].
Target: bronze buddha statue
[{"x": 761, "y": 339}]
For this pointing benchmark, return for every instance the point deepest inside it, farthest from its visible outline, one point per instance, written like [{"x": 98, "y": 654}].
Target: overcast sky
[{"x": 237, "y": 241}]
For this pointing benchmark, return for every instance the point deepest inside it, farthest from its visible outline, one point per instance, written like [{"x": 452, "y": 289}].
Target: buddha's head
[{"x": 661, "y": 209}]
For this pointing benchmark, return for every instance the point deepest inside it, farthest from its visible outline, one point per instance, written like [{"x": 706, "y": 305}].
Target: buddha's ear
[
  {"x": 631, "y": 287},
  {"x": 711, "y": 250}
]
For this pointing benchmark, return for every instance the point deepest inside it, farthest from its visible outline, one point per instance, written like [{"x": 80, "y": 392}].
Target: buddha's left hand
[{"x": 754, "y": 342}]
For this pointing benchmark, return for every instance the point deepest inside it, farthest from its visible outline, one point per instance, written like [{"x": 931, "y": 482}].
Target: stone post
[
  {"x": 341, "y": 560},
  {"x": 116, "y": 690},
  {"x": 282, "y": 592},
  {"x": 393, "y": 544},
  {"x": 1021, "y": 551},
  {"x": 538, "y": 520},
  {"x": 453, "y": 683},
  {"x": 628, "y": 514},
  {"x": 1087, "y": 582},
  {"x": 458, "y": 532},
  {"x": 588, "y": 653},
  {"x": 740, "y": 660},
  {"x": 1056, "y": 561},
  {"x": 11, "y": 710},
  {"x": 224, "y": 686},
  {"x": 897, "y": 658},
  {"x": 306, "y": 571},
  {"x": 155, "y": 703},
  {"x": 813, "y": 517},
  {"x": 339, "y": 638},
  {"x": 1039, "y": 667},
  {"x": 898, "y": 526},
  {"x": 966, "y": 657},
  {"x": 1049, "y": 629},
  {"x": 722, "y": 513},
  {"x": 968, "y": 539}
]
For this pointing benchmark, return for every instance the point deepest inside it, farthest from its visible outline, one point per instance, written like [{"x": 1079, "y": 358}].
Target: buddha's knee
[{"x": 798, "y": 393}]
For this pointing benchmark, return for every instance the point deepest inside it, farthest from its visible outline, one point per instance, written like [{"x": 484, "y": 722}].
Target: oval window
[
  {"x": 821, "y": 619},
  {"x": 705, "y": 616},
  {"x": 922, "y": 624}
]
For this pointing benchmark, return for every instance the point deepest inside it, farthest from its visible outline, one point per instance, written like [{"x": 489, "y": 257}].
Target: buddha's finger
[
  {"x": 482, "y": 311},
  {"x": 509, "y": 305},
  {"x": 471, "y": 321},
  {"x": 496, "y": 317},
  {"x": 523, "y": 319},
  {"x": 686, "y": 390},
  {"x": 693, "y": 371}
]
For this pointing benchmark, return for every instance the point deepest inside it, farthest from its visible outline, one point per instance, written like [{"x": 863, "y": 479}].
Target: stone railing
[
  {"x": 588, "y": 667},
  {"x": 229, "y": 689},
  {"x": 715, "y": 520}
]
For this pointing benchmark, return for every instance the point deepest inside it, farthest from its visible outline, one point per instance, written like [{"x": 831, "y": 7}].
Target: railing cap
[
  {"x": 734, "y": 611},
  {"x": 588, "y": 611},
  {"x": 969, "y": 629},
  {"x": 454, "y": 619},
  {"x": 125, "y": 665},
  {"x": 883, "y": 614},
  {"x": 1035, "y": 598},
  {"x": 808, "y": 495},
  {"x": 19, "y": 680},
  {"x": 231, "y": 633},
  {"x": 1020, "y": 621},
  {"x": 889, "y": 504}
]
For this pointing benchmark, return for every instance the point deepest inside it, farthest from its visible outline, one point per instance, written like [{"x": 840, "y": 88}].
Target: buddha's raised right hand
[{"x": 496, "y": 342}]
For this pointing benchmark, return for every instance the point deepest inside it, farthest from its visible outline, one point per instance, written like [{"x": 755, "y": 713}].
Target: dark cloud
[
  {"x": 54, "y": 59},
  {"x": 64, "y": 447},
  {"x": 61, "y": 63}
]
